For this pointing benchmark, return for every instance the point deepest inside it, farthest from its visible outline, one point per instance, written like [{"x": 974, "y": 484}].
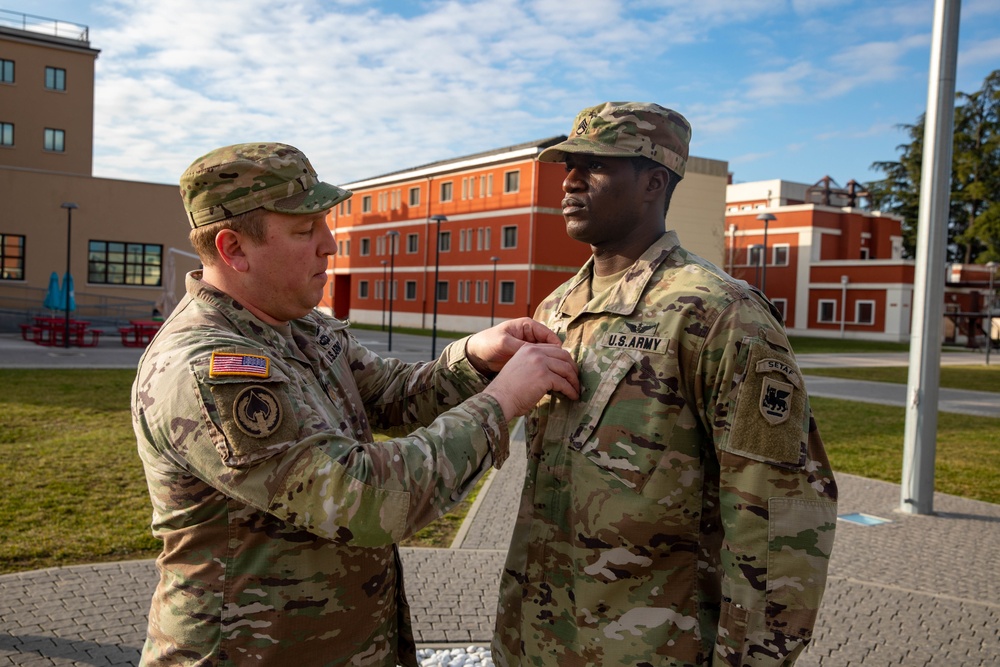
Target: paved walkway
[{"x": 919, "y": 590}]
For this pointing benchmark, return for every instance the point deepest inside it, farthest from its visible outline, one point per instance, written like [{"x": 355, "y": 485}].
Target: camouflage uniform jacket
[
  {"x": 277, "y": 511},
  {"x": 682, "y": 511}
]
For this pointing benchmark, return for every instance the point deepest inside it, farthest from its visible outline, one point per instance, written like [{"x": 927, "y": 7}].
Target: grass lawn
[
  {"x": 74, "y": 490},
  {"x": 973, "y": 378},
  {"x": 867, "y": 440},
  {"x": 807, "y": 345}
]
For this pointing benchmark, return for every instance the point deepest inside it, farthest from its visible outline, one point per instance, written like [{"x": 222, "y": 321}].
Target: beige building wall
[
  {"x": 32, "y": 108},
  {"x": 108, "y": 210},
  {"x": 698, "y": 209}
]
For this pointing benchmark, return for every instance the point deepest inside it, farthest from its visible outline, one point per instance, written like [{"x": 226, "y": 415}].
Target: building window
[
  {"x": 123, "y": 263},
  {"x": 410, "y": 290},
  {"x": 363, "y": 289},
  {"x": 366, "y": 204},
  {"x": 414, "y": 196},
  {"x": 506, "y": 291},
  {"x": 55, "y": 140},
  {"x": 366, "y": 247},
  {"x": 55, "y": 78},
  {"x": 11, "y": 257},
  {"x": 827, "y": 310},
  {"x": 509, "y": 237},
  {"x": 864, "y": 312},
  {"x": 379, "y": 245},
  {"x": 442, "y": 294},
  {"x": 461, "y": 292},
  {"x": 779, "y": 255},
  {"x": 444, "y": 242},
  {"x": 866, "y": 253},
  {"x": 755, "y": 255},
  {"x": 489, "y": 185},
  {"x": 446, "y": 191},
  {"x": 6, "y": 134},
  {"x": 511, "y": 181},
  {"x": 379, "y": 288},
  {"x": 465, "y": 189},
  {"x": 412, "y": 243},
  {"x": 6, "y": 71},
  {"x": 782, "y": 306}
]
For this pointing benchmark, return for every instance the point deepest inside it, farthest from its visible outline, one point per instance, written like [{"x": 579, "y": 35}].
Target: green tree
[{"x": 974, "y": 212}]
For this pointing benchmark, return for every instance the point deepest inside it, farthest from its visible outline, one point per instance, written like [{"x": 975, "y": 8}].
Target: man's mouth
[{"x": 571, "y": 205}]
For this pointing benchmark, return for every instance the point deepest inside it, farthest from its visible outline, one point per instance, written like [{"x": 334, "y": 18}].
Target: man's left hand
[{"x": 489, "y": 350}]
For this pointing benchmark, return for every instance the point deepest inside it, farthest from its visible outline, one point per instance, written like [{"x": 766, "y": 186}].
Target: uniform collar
[{"x": 623, "y": 297}]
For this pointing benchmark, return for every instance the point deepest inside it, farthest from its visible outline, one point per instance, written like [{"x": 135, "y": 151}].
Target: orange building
[
  {"x": 831, "y": 267},
  {"x": 502, "y": 241}
]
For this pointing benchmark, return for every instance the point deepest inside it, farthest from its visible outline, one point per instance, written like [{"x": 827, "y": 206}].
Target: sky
[{"x": 789, "y": 89}]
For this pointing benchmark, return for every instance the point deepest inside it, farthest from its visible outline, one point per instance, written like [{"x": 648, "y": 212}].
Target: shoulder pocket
[
  {"x": 251, "y": 418},
  {"x": 768, "y": 416}
]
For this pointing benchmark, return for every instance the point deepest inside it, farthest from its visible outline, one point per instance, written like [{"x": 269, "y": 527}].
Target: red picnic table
[
  {"x": 51, "y": 332},
  {"x": 140, "y": 332}
]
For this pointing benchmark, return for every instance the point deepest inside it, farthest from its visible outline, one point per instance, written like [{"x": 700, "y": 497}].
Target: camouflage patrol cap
[
  {"x": 239, "y": 178},
  {"x": 627, "y": 129}
]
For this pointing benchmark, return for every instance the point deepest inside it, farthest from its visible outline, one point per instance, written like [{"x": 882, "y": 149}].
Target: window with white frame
[
  {"x": 446, "y": 191},
  {"x": 507, "y": 291},
  {"x": 461, "y": 240},
  {"x": 379, "y": 245},
  {"x": 366, "y": 204},
  {"x": 363, "y": 289},
  {"x": 782, "y": 306},
  {"x": 465, "y": 189},
  {"x": 755, "y": 255},
  {"x": 864, "y": 312},
  {"x": 511, "y": 182},
  {"x": 412, "y": 243},
  {"x": 410, "y": 290},
  {"x": 779, "y": 254},
  {"x": 444, "y": 242},
  {"x": 866, "y": 253},
  {"x": 11, "y": 256},
  {"x": 6, "y": 71},
  {"x": 366, "y": 247},
  {"x": 6, "y": 134},
  {"x": 509, "y": 235},
  {"x": 379, "y": 289},
  {"x": 461, "y": 292},
  {"x": 442, "y": 290},
  {"x": 414, "y": 196},
  {"x": 827, "y": 310}
]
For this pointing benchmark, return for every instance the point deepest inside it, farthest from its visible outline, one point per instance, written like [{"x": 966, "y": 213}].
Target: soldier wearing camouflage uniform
[
  {"x": 253, "y": 414},
  {"x": 681, "y": 512}
]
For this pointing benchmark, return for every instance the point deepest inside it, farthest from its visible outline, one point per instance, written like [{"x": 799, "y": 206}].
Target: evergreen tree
[{"x": 974, "y": 211}]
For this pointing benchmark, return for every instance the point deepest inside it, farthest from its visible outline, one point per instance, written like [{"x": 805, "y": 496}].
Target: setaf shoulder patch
[
  {"x": 257, "y": 412},
  {"x": 768, "y": 417},
  {"x": 253, "y": 418}
]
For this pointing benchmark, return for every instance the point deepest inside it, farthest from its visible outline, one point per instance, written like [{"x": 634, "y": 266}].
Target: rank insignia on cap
[
  {"x": 775, "y": 397},
  {"x": 257, "y": 411},
  {"x": 246, "y": 365}
]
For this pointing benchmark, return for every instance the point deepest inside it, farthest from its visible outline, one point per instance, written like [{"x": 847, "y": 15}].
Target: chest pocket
[{"x": 625, "y": 419}]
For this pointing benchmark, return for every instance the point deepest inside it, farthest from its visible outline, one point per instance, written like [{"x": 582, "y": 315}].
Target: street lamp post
[
  {"x": 392, "y": 267},
  {"x": 766, "y": 218},
  {"x": 992, "y": 266},
  {"x": 438, "y": 219},
  {"x": 384, "y": 265},
  {"x": 69, "y": 206},
  {"x": 493, "y": 289}
]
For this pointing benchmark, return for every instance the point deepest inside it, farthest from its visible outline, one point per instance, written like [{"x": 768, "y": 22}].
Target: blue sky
[{"x": 791, "y": 89}]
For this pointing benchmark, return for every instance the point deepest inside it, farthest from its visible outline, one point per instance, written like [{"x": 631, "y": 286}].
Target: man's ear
[
  {"x": 659, "y": 179},
  {"x": 230, "y": 244}
]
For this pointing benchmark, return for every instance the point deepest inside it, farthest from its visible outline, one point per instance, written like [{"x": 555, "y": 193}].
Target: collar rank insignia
[
  {"x": 257, "y": 411},
  {"x": 245, "y": 365}
]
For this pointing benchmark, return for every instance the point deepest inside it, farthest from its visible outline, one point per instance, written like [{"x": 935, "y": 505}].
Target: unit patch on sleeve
[{"x": 236, "y": 364}]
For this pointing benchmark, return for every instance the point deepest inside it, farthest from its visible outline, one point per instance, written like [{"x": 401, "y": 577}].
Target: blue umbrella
[
  {"x": 68, "y": 286},
  {"x": 54, "y": 297}
]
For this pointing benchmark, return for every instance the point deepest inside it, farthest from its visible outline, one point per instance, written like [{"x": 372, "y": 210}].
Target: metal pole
[
  {"x": 437, "y": 255},
  {"x": 766, "y": 218},
  {"x": 920, "y": 431},
  {"x": 992, "y": 266},
  {"x": 384, "y": 263},
  {"x": 69, "y": 206},
  {"x": 392, "y": 267},
  {"x": 493, "y": 289}
]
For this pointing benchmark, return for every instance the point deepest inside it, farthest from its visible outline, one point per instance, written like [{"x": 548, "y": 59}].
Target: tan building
[{"x": 121, "y": 233}]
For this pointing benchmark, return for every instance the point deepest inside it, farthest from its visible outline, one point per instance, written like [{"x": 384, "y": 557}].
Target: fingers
[{"x": 531, "y": 373}]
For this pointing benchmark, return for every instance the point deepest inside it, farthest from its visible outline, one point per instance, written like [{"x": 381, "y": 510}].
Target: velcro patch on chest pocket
[{"x": 768, "y": 419}]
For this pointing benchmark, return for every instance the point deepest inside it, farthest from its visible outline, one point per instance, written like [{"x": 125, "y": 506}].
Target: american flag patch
[{"x": 230, "y": 363}]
